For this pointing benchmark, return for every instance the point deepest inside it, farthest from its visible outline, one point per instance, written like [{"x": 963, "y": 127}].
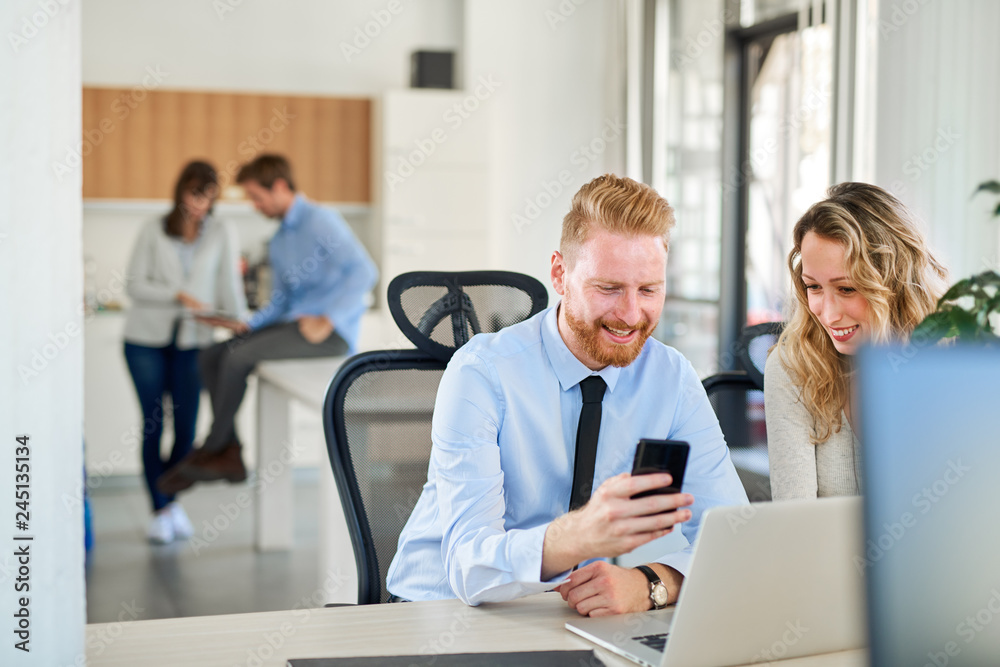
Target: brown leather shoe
[{"x": 202, "y": 466}]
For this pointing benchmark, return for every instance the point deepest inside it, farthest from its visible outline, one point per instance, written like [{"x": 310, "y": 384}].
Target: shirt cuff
[
  {"x": 525, "y": 552},
  {"x": 255, "y": 320},
  {"x": 679, "y": 560}
]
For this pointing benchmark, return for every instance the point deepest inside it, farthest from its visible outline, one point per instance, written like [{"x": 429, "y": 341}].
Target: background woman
[
  {"x": 186, "y": 261},
  {"x": 861, "y": 271}
]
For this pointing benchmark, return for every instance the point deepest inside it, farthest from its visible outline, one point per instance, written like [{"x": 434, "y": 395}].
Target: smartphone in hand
[{"x": 661, "y": 456}]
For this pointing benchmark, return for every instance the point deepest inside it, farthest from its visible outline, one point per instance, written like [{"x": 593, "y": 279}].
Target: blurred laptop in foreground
[{"x": 930, "y": 419}]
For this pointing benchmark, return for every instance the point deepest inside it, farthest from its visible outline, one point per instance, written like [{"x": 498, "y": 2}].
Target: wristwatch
[{"x": 657, "y": 589}]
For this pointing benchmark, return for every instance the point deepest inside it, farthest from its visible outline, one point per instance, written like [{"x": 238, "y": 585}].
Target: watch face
[{"x": 660, "y": 595}]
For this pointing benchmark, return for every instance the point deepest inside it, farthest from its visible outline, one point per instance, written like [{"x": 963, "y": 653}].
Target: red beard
[{"x": 598, "y": 347}]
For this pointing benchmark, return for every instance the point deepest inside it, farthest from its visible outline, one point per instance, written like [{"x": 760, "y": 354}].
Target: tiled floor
[{"x": 216, "y": 572}]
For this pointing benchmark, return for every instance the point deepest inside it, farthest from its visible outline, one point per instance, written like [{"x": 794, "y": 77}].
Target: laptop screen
[{"x": 930, "y": 425}]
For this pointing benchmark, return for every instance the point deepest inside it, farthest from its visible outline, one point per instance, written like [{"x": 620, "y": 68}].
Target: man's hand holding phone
[
  {"x": 613, "y": 522},
  {"x": 653, "y": 456},
  {"x": 625, "y": 512}
]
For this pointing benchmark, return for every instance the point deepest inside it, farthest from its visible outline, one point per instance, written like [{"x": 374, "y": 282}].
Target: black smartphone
[{"x": 661, "y": 456}]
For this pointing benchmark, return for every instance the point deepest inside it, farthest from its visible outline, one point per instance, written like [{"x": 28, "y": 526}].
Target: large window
[
  {"x": 742, "y": 149},
  {"x": 690, "y": 177},
  {"x": 789, "y": 154}
]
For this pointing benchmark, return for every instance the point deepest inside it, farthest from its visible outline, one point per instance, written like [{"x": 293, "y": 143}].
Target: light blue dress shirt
[
  {"x": 319, "y": 268},
  {"x": 501, "y": 468}
]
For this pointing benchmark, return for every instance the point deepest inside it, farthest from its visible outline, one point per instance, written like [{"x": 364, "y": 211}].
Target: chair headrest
[
  {"x": 753, "y": 345},
  {"x": 439, "y": 311}
]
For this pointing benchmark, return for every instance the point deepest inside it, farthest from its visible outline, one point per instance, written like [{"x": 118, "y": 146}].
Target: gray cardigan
[
  {"x": 800, "y": 469},
  {"x": 155, "y": 275}
]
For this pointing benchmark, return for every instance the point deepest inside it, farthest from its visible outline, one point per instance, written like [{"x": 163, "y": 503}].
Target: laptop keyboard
[{"x": 657, "y": 642}]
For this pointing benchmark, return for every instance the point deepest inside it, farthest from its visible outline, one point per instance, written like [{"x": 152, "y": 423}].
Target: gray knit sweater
[{"x": 800, "y": 469}]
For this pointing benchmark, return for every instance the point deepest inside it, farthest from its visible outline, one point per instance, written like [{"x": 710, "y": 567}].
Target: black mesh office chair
[
  {"x": 377, "y": 412},
  {"x": 752, "y": 348},
  {"x": 738, "y": 400}
]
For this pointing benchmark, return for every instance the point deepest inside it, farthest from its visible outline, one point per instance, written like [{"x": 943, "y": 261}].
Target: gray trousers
[{"x": 225, "y": 367}]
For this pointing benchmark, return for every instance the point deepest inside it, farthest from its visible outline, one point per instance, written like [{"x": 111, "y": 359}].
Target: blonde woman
[{"x": 861, "y": 272}]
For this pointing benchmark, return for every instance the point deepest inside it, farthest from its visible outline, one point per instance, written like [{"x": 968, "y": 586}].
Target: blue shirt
[
  {"x": 501, "y": 468},
  {"x": 319, "y": 268}
]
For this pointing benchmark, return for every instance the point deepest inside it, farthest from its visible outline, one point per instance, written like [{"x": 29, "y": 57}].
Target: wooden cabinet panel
[{"x": 135, "y": 142}]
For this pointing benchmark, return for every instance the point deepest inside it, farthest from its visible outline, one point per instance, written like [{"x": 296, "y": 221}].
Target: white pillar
[{"x": 41, "y": 346}]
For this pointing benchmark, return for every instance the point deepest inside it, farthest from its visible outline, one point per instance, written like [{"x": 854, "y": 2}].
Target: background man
[
  {"x": 322, "y": 275},
  {"x": 492, "y": 521}
]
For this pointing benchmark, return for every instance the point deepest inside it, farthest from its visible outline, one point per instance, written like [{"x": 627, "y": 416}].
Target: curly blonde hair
[{"x": 888, "y": 263}]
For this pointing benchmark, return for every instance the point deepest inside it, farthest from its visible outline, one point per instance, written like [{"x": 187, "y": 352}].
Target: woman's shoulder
[
  {"x": 152, "y": 231},
  {"x": 212, "y": 225},
  {"x": 774, "y": 367},
  {"x": 218, "y": 227},
  {"x": 154, "y": 226},
  {"x": 777, "y": 376}
]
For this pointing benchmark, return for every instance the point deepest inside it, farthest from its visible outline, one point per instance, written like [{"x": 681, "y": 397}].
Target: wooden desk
[{"x": 418, "y": 628}]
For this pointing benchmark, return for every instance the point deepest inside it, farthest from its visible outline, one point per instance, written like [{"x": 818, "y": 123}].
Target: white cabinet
[{"x": 431, "y": 181}]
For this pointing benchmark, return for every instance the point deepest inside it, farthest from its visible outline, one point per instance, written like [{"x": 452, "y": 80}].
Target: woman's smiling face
[{"x": 834, "y": 301}]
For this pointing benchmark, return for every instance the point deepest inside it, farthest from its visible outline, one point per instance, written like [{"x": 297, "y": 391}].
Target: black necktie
[{"x": 586, "y": 440}]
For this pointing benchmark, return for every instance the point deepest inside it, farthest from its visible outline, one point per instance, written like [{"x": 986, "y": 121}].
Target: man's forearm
[{"x": 559, "y": 549}]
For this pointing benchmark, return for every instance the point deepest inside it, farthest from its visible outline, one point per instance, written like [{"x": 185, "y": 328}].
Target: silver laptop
[{"x": 768, "y": 581}]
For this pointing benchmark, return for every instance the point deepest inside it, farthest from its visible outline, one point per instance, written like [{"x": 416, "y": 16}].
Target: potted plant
[{"x": 970, "y": 310}]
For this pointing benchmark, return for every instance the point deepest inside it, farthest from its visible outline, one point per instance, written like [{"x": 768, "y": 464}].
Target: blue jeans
[{"x": 157, "y": 371}]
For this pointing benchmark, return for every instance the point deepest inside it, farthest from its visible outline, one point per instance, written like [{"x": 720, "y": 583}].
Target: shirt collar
[
  {"x": 294, "y": 215},
  {"x": 567, "y": 367}
]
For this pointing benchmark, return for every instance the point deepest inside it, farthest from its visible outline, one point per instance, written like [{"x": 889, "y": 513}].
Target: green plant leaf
[
  {"x": 965, "y": 323},
  {"x": 962, "y": 288},
  {"x": 993, "y": 305},
  {"x": 985, "y": 279},
  {"x": 989, "y": 278},
  {"x": 996, "y": 211},
  {"x": 988, "y": 186},
  {"x": 934, "y": 327}
]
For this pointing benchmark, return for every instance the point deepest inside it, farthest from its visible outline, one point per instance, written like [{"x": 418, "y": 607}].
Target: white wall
[
  {"x": 41, "y": 274},
  {"x": 561, "y": 74},
  {"x": 936, "y": 134},
  {"x": 291, "y": 46}
]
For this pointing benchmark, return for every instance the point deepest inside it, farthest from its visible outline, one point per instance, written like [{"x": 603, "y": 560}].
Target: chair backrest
[
  {"x": 739, "y": 404},
  {"x": 378, "y": 408},
  {"x": 738, "y": 400},
  {"x": 439, "y": 312},
  {"x": 752, "y": 348}
]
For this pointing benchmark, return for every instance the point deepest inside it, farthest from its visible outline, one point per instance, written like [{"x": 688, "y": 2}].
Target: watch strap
[
  {"x": 654, "y": 582},
  {"x": 650, "y": 574}
]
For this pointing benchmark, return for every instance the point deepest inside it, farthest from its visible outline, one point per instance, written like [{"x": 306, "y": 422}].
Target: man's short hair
[
  {"x": 266, "y": 169},
  {"x": 619, "y": 205}
]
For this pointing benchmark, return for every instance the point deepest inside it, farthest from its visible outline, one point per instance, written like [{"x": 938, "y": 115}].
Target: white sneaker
[
  {"x": 181, "y": 524},
  {"x": 161, "y": 529}
]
